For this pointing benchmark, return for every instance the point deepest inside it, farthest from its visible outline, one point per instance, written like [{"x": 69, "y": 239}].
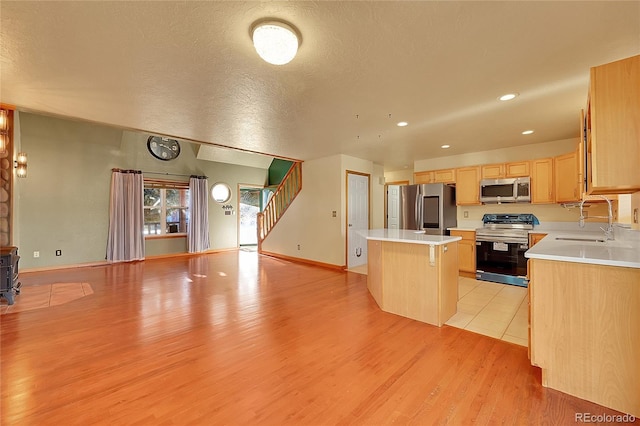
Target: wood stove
[{"x": 9, "y": 285}]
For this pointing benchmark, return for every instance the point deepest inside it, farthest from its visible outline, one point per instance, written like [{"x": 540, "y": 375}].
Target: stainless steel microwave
[{"x": 510, "y": 190}]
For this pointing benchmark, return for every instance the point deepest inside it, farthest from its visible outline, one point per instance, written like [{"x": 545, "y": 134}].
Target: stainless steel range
[{"x": 500, "y": 247}]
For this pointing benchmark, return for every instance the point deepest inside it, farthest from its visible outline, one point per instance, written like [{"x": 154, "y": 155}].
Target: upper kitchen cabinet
[
  {"x": 542, "y": 182},
  {"x": 423, "y": 177},
  {"x": 444, "y": 176},
  {"x": 515, "y": 169},
  {"x": 568, "y": 184},
  {"x": 468, "y": 186},
  {"x": 435, "y": 176},
  {"x": 612, "y": 128}
]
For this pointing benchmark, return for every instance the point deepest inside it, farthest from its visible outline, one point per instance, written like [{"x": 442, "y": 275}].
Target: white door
[
  {"x": 358, "y": 218},
  {"x": 393, "y": 206}
]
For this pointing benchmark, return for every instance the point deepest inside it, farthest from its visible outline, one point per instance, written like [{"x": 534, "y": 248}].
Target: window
[
  {"x": 166, "y": 209},
  {"x": 220, "y": 192}
]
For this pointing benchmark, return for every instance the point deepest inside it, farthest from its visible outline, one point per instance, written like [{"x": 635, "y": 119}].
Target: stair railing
[{"x": 281, "y": 199}]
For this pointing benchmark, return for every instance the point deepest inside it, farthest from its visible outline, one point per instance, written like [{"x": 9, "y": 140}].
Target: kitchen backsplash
[{"x": 544, "y": 212}]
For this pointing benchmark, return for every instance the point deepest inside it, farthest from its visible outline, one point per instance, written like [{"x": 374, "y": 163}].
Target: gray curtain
[
  {"x": 126, "y": 216},
  {"x": 198, "y": 229}
]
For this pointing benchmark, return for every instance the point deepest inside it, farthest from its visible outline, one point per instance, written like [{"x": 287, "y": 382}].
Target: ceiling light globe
[{"x": 276, "y": 42}]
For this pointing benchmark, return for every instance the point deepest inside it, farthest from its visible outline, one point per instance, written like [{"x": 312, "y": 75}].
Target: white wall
[
  {"x": 309, "y": 221},
  {"x": 516, "y": 153}
]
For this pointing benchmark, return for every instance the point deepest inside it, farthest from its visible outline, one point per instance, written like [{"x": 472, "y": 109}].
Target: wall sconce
[
  {"x": 4, "y": 129},
  {"x": 21, "y": 165}
]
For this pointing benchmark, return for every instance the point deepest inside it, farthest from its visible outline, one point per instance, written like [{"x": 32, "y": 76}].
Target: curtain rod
[
  {"x": 166, "y": 174},
  {"x": 159, "y": 173}
]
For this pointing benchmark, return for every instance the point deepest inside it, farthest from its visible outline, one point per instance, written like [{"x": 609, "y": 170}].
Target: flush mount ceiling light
[
  {"x": 445, "y": 146},
  {"x": 527, "y": 132},
  {"x": 508, "y": 97},
  {"x": 402, "y": 124},
  {"x": 276, "y": 42}
]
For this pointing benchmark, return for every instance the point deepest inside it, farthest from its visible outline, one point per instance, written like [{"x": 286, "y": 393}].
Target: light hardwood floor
[{"x": 237, "y": 338}]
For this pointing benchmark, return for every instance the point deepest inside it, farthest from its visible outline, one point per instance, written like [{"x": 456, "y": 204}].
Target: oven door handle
[{"x": 501, "y": 240}]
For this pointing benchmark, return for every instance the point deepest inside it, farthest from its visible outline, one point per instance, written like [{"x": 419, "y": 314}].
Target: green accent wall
[
  {"x": 278, "y": 170},
  {"x": 64, "y": 201}
]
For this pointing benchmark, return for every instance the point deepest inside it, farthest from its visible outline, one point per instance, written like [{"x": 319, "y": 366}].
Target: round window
[{"x": 220, "y": 192}]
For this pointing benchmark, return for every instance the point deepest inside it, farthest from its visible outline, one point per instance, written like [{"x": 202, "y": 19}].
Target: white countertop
[
  {"x": 624, "y": 253},
  {"x": 407, "y": 236}
]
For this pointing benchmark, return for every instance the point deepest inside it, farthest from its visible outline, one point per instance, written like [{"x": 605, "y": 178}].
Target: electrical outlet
[
  {"x": 334, "y": 213},
  {"x": 58, "y": 252},
  {"x": 36, "y": 254},
  {"x": 298, "y": 246},
  {"x": 466, "y": 214}
]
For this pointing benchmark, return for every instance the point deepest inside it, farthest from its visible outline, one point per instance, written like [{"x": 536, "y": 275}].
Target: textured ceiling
[{"x": 188, "y": 69}]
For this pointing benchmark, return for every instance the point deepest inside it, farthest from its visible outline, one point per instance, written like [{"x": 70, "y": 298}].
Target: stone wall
[{"x": 6, "y": 177}]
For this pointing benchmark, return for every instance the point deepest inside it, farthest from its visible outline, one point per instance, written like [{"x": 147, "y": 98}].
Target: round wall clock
[{"x": 163, "y": 148}]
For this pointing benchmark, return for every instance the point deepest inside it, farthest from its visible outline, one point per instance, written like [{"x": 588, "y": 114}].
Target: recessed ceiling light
[
  {"x": 402, "y": 124},
  {"x": 508, "y": 97},
  {"x": 527, "y": 132},
  {"x": 445, "y": 146}
]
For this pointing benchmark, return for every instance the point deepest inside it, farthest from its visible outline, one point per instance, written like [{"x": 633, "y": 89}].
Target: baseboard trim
[
  {"x": 305, "y": 261},
  {"x": 467, "y": 274},
  {"x": 105, "y": 263}
]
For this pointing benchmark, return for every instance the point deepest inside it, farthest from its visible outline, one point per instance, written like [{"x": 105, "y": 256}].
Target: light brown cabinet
[
  {"x": 468, "y": 186},
  {"x": 492, "y": 171},
  {"x": 423, "y": 177},
  {"x": 518, "y": 169},
  {"x": 444, "y": 176},
  {"x": 584, "y": 327},
  {"x": 542, "y": 183},
  {"x": 416, "y": 281},
  {"x": 435, "y": 176},
  {"x": 612, "y": 126},
  {"x": 535, "y": 237},
  {"x": 567, "y": 178},
  {"x": 466, "y": 252},
  {"x": 506, "y": 170}
]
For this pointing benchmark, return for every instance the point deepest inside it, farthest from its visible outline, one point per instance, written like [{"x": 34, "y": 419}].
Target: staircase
[{"x": 281, "y": 200}]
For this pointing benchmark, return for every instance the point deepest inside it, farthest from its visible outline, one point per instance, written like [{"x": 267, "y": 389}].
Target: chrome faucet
[{"x": 608, "y": 233}]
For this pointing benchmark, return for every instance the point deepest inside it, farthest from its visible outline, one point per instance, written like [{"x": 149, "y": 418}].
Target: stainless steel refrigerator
[{"x": 430, "y": 207}]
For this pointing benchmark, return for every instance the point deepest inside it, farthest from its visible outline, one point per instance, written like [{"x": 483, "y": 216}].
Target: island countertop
[
  {"x": 407, "y": 236},
  {"x": 577, "y": 247}
]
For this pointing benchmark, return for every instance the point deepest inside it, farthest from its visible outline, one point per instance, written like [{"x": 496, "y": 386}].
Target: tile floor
[
  {"x": 43, "y": 296},
  {"x": 492, "y": 309}
]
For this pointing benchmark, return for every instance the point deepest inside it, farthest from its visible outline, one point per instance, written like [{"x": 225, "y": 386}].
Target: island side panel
[
  {"x": 374, "y": 270},
  {"x": 410, "y": 284},
  {"x": 585, "y": 331},
  {"x": 448, "y": 280}
]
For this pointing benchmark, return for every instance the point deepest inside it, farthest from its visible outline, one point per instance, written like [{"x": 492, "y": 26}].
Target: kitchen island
[
  {"x": 413, "y": 274},
  {"x": 584, "y": 296}
]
